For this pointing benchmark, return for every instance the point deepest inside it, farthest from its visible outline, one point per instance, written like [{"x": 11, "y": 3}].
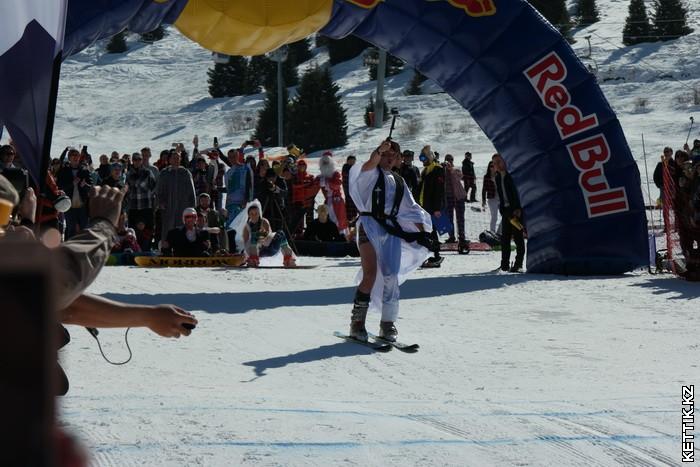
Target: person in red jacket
[{"x": 304, "y": 188}]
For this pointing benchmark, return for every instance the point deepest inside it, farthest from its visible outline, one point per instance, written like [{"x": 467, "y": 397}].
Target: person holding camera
[
  {"x": 272, "y": 196},
  {"x": 512, "y": 215},
  {"x": 75, "y": 181}
]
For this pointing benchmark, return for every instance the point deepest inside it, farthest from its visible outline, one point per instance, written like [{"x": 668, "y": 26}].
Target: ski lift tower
[
  {"x": 371, "y": 57},
  {"x": 279, "y": 56}
]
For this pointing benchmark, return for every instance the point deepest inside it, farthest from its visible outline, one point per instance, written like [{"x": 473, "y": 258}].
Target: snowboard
[{"x": 180, "y": 262}]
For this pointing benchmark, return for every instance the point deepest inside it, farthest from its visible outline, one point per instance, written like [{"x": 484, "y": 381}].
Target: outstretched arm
[{"x": 93, "y": 311}]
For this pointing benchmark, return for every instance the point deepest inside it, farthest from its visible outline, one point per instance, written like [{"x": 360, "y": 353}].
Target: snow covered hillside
[{"x": 157, "y": 94}]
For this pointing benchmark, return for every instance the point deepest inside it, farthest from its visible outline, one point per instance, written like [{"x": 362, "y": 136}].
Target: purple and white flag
[{"x": 31, "y": 40}]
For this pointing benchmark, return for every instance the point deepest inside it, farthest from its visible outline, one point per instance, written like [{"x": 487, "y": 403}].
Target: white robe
[{"x": 396, "y": 258}]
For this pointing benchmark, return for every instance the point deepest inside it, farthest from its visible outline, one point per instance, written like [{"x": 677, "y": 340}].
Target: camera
[{"x": 394, "y": 111}]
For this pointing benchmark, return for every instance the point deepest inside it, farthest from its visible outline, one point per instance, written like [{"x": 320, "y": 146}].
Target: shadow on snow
[{"x": 416, "y": 288}]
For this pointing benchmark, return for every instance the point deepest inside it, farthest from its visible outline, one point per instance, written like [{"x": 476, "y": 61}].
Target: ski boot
[
  {"x": 359, "y": 315},
  {"x": 463, "y": 247},
  {"x": 517, "y": 267},
  {"x": 253, "y": 261},
  {"x": 289, "y": 261},
  {"x": 387, "y": 331}
]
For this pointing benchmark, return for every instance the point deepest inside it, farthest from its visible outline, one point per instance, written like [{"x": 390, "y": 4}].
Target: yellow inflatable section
[{"x": 251, "y": 27}]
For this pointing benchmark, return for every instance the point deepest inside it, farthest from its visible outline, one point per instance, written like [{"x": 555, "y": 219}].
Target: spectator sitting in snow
[
  {"x": 127, "y": 243},
  {"x": 261, "y": 241},
  {"x": 213, "y": 223},
  {"x": 323, "y": 229},
  {"x": 187, "y": 241}
]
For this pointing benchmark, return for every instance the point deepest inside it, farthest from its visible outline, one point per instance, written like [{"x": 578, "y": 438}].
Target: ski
[
  {"x": 409, "y": 348},
  {"x": 378, "y": 346}
]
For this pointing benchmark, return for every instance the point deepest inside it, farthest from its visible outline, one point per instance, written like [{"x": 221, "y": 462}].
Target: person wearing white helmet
[{"x": 187, "y": 241}]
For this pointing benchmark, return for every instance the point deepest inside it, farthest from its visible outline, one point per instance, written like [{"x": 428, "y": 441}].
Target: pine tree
[
  {"x": 342, "y": 50},
  {"x": 117, "y": 44},
  {"x": 300, "y": 51},
  {"x": 266, "y": 126},
  {"x": 587, "y": 12},
  {"x": 637, "y": 28},
  {"x": 414, "y": 87},
  {"x": 670, "y": 20},
  {"x": 370, "y": 108},
  {"x": 317, "y": 118},
  {"x": 231, "y": 78},
  {"x": 394, "y": 65},
  {"x": 556, "y": 13},
  {"x": 153, "y": 36}
]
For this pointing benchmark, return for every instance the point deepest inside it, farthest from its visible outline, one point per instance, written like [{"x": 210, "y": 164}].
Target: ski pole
[
  {"x": 652, "y": 238},
  {"x": 692, "y": 120}
]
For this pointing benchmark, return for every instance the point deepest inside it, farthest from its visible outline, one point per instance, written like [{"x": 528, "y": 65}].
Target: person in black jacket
[
  {"x": 323, "y": 229},
  {"x": 666, "y": 157},
  {"x": 272, "y": 193},
  {"x": 431, "y": 197},
  {"x": 75, "y": 181},
  {"x": 409, "y": 172},
  {"x": 512, "y": 214},
  {"x": 469, "y": 177},
  {"x": 187, "y": 241}
]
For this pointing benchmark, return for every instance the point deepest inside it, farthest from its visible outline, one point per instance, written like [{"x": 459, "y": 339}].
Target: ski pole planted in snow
[{"x": 692, "y": 120}]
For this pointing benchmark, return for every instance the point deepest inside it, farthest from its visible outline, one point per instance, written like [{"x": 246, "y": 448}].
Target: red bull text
[
  {"x": 588, "y": 155},
  {"x": 474, "y": 8}
]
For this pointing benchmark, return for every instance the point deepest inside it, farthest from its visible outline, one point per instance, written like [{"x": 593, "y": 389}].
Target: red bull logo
[
  {"x": 474, "y": 8},
  {"x": 588, "y": 155},
  {"x": 366, "y": 3}
]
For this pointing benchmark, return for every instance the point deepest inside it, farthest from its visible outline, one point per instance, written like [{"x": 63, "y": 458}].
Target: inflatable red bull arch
[{"x": 516, "y": 75}]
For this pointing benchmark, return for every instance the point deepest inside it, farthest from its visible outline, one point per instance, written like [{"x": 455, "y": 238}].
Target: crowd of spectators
[
  {"x": 677, "y": 176},
  {"x": 182, "y": 203}
]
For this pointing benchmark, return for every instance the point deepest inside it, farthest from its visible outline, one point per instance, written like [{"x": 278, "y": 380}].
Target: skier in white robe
[{"x": 392, "y": 236}]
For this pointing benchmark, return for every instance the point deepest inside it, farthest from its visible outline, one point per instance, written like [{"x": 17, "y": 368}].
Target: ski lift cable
[{"x": 653, "y": 68}]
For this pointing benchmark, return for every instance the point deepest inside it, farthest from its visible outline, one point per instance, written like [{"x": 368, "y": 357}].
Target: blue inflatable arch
[{"x": 544, "y": 112}]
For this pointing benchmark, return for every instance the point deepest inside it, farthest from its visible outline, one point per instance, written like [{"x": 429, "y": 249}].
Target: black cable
[{"x": 94, "y": 332}]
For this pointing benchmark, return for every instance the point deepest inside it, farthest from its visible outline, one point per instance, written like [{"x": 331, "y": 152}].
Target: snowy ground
[{"x": 512, "y": 370}]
